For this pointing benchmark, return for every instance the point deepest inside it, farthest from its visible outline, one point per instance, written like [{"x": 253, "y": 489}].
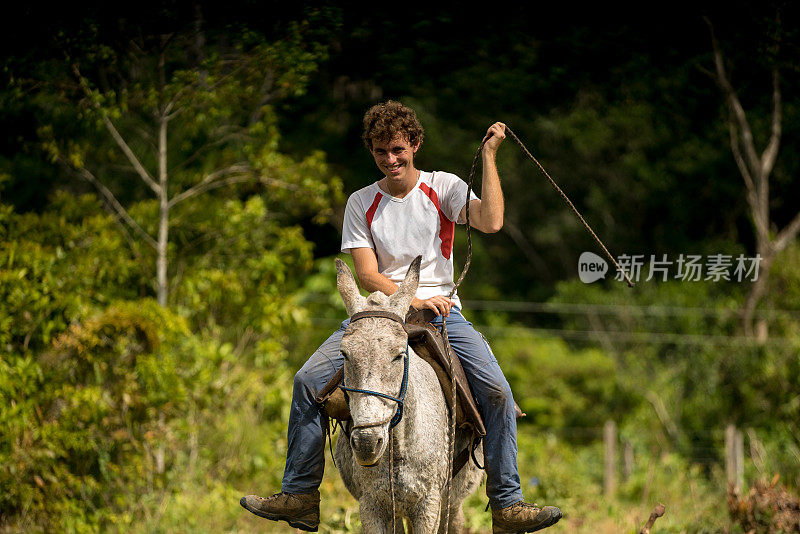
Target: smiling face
[
  {"x": 393, "y": 134},
  {"x": 395, "y": 159}
]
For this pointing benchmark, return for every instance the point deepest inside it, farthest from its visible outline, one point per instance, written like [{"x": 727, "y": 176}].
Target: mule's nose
[{"x": 367, "y": 446}]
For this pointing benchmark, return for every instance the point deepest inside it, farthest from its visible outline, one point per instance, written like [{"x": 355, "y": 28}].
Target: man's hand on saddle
[
  {"x": 439, "y": 304},
  {"x": 494, "y": 136}
]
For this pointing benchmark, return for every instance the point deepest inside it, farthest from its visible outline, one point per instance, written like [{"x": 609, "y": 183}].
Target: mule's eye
[
  {"x": 399, "y": 356},
  {"x": 344, "y": 355}
]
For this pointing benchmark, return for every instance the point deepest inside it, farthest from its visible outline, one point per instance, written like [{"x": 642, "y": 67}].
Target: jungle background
[{"x": 172, "y": 181}]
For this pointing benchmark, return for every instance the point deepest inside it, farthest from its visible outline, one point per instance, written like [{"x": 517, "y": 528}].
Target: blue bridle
[{"x": 398, "y": 414}]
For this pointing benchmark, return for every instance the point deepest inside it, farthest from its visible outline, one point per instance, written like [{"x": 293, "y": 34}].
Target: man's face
[{"x": 395, "y": 159}]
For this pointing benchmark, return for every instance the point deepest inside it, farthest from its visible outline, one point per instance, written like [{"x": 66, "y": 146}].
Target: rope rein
[
  {"x": 391, "y": 481},
  {"x": 452, "y": 426},
  {"x": 566, "y": 199},
  {"x": 470, "y": 181}
]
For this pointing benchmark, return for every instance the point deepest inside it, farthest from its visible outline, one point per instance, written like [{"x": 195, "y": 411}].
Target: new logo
[{"x": 591, "y": 267}]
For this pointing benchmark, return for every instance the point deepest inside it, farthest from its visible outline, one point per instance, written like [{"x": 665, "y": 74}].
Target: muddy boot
[
  {"x": 523, "y": 517},
  {"x": 300, "y": 510}
]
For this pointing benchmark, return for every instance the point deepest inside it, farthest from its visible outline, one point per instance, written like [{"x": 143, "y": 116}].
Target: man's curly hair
[{"x": 383, "y": 122}]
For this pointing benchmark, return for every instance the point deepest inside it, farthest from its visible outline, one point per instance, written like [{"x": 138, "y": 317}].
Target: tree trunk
[
  {"x": 163, "y": 197},
  {"x": 757, "y": 291},
  {"x": 163, "y": 215}
]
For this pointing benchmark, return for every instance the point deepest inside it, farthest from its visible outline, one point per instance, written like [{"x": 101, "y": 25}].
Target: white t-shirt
[{"x": 400, "y": 229}]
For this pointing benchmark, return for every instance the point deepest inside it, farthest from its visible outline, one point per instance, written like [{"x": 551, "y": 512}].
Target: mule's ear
[
  {"x": 353, "y": 301},
  {"x": 402, "y": 298}
]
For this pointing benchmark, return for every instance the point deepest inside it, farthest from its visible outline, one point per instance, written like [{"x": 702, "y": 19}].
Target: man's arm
[
  {"x": 486, "y": 214},
  {"x": 366, "y": 263}
]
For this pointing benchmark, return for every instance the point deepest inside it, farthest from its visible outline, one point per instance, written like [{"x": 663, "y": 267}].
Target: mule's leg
[
  {"x": 377, "y": 518},
  {"x": 426, "y": 516},
  {"x": 464, "y": 484},
  {"x": 456, "y": 520}
]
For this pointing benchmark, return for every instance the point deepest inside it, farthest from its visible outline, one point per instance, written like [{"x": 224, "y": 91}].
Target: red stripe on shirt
[
  {"x": 446, "y": 226},
  {"x": 372, "y": 209}
]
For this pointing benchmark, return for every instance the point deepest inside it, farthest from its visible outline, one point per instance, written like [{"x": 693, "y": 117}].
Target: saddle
[{"x": 428, "y": 343}]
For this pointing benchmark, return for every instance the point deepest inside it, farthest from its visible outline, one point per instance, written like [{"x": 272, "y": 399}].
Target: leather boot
[
  {"x": 300, "y": 510},
  {"x": 523, "y": 517}
]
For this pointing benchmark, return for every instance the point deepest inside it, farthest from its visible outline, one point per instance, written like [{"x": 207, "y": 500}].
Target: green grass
[{"x": 569, "y": 477}]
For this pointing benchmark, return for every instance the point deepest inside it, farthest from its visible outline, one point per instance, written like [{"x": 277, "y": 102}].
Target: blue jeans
[{"x": 305, "y": 461}]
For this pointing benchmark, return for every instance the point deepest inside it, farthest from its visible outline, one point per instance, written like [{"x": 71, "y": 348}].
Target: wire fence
[{"x": 601, "y": 335}]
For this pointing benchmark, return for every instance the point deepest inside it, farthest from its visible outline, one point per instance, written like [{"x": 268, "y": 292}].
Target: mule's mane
[{"x": 378, "y": 299}]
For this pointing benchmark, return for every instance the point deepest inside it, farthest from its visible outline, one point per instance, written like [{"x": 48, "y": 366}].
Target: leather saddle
[{"x": 428, "y": 343}]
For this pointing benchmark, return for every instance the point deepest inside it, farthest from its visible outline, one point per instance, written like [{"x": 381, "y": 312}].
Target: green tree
[{"x": 181, "y": 117}]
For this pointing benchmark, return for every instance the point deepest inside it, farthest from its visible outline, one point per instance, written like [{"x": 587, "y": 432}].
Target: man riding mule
[
  {"x": 387, "y": 225},
  {"x": 395, "y": 460}
]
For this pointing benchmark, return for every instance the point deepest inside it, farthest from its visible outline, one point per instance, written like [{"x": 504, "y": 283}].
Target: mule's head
[{"x": 374, "y": 349}]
